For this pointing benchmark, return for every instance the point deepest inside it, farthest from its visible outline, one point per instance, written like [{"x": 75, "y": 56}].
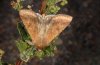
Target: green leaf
[
  {"x": 22, "y": 46},
  {"x": 27, "y": 54},
  {"x": 64, "y": 2},
  {"x": 52, "y": 6},
  {"x": 22, "y": 31},
  {"x": 18, "y": 5},
  {"x": 40, "y": 54}
]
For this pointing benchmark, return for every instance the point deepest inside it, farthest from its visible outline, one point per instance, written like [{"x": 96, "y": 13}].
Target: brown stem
[
  {"x": 19, "y": 62},
  {"x": 43, "y": 6}
]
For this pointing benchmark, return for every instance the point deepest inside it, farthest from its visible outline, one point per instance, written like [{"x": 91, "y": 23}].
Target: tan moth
[{"x": 43, "y": 29}]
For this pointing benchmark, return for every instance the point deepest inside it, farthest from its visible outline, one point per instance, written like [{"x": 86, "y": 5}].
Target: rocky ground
[{"x": 81, "y": 44}]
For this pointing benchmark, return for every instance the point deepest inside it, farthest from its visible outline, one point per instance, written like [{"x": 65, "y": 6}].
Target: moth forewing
[
  {"x": 30, "y": 21},
  {"x": 59, "y": 23}
]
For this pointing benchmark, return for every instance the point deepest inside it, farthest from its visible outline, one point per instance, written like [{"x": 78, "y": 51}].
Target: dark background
[{"x": 81, "y": 40}]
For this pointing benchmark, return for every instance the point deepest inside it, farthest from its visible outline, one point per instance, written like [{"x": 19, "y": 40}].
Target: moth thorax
[{"x": 41, "y": 30}]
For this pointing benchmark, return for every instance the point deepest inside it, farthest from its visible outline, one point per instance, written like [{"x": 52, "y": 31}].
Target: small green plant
[
  {"x": 17, "y": 5},
  {"x": 27, "y": 51},
  {"x": 52, "y": 6}
]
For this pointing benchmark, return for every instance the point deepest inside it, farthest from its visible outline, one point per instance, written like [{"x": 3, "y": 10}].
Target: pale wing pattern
[
  {"x": 43, "y": 26},
  {"x": 58, "y": 24},
  {"x": 30, "y": 20}
]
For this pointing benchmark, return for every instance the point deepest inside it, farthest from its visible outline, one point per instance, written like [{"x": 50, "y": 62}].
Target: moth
[{"x": 43, "y": 28}]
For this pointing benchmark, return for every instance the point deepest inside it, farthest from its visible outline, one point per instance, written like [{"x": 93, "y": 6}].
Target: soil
[{"x": 81, "y": 40}]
